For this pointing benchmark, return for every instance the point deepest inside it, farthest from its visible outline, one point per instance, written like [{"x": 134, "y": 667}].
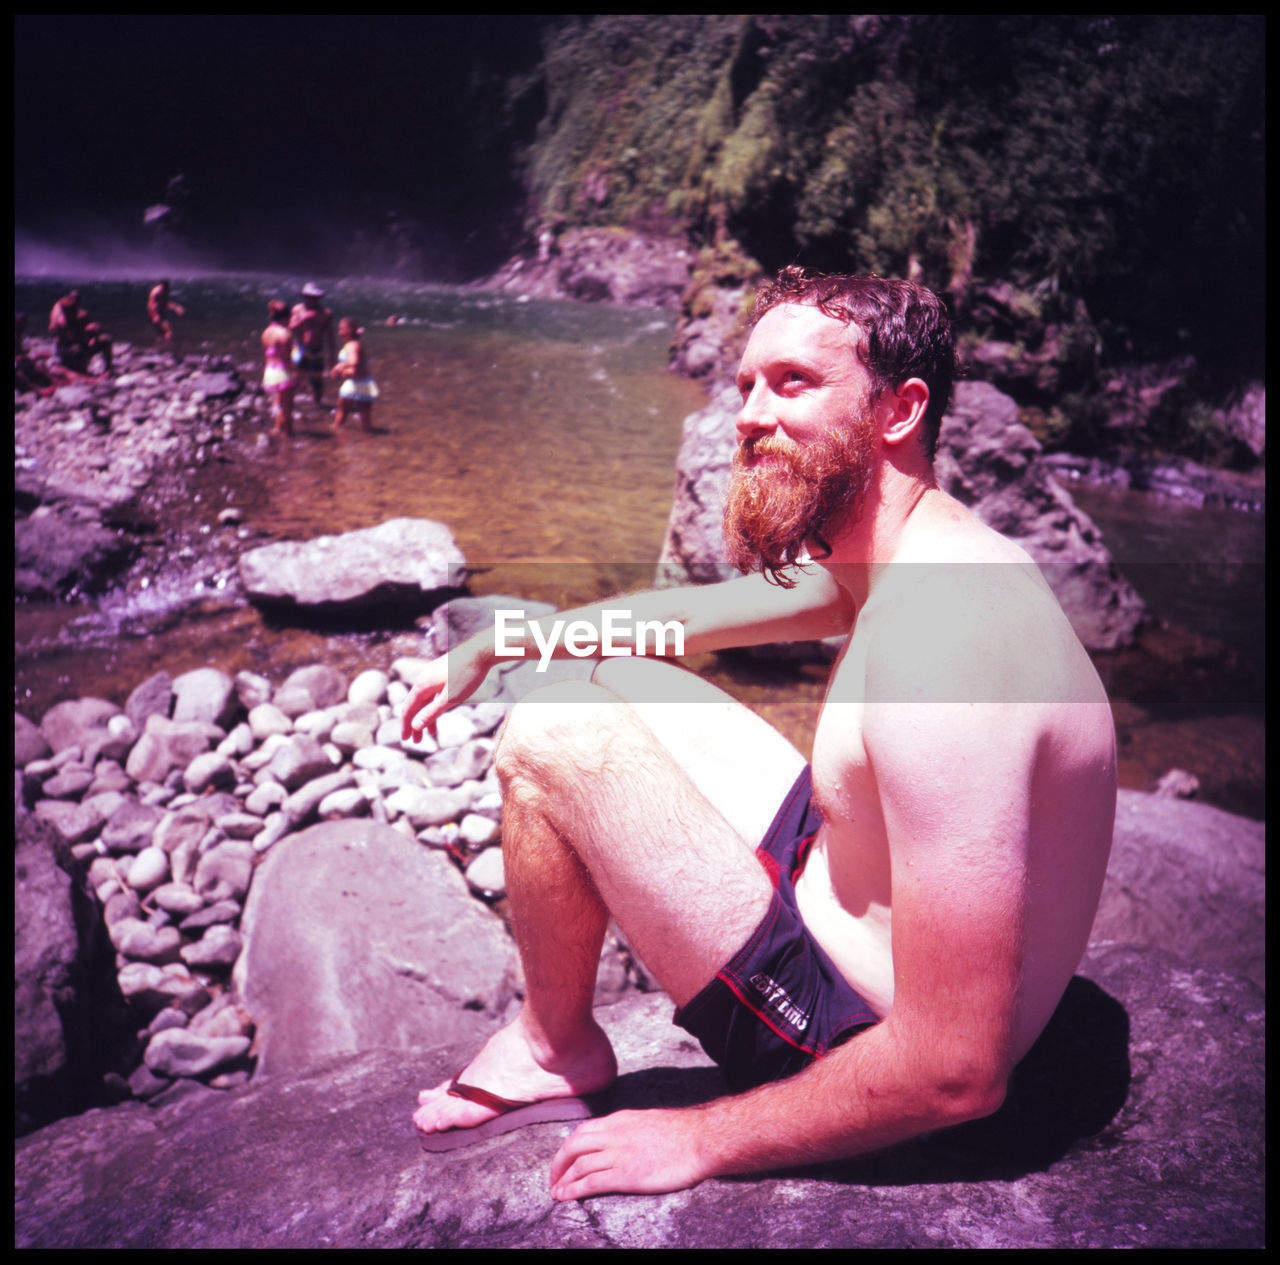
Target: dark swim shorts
[
  {"x": 779, "y": 1003},
  {"x": 310, "y": 361}
]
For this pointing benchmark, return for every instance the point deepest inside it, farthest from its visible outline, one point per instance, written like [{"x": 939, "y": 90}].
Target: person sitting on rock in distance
[
  {"x": 34, "y": 371},
  {"x": 923, "y": 892},
  {"x": 77, "y": 338},
  {"x": 314, "y": 350}
]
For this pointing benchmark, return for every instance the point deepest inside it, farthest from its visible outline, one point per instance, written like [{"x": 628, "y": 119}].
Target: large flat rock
[
  {"x": 401, "y": 560},
  {"x": 1137, "y": 1122}
]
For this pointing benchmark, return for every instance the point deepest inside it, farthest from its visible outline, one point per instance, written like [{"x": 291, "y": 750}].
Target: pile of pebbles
[{"x": 170, "y": 803}]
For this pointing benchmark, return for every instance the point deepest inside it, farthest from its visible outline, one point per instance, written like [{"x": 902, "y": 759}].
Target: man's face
[{"x": 807, "y": 438}]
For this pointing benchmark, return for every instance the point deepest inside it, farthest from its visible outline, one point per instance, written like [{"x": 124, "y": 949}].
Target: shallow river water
[{"x": 544, "y": 435}]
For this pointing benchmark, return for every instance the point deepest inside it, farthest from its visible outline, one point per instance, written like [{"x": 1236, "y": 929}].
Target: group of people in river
[{"x": 299, "y": 344}]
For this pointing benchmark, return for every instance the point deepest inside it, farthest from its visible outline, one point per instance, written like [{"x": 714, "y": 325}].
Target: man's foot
[{"x": 507, "y": 1067}]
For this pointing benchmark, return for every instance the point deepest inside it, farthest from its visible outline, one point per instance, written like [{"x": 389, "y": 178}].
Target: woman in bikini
[
  {"x": 279, "y": 377},
  {"x": 358, "y": 390}
]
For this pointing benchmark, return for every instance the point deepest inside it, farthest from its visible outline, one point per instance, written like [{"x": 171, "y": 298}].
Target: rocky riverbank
[{"x": 88, "y": 457}]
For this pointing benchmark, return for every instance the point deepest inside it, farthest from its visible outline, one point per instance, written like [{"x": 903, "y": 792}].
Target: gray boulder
[
  {"x": 989, "y": 461},
  {"x": 356, "y": 938},
  {"x": 55, "y": 550},
  {"x": 64, "y": 1008},
  {"x": 166, "y": 745},
  {"x": 176, "y": 1052},
  {"x": 297, "y": 760},
  {"x": 1190, "y": 879},
  {"x": 28, "y": 742},
  {"x": 46, "y": 953},
  {"x": 154, "y": 697},
  {"x": 205, "y": 694},
  {"x": 78, "y": 722},
  {"x": 317, "y": 685},
  {"x": 607, "y": 265},
  {"x": 404, "y": 561},
  {"x": 224, "y": 872},
  {"x": 986, "y": 459},
  {"x": 454, "y": 621},
  {"x": 74, "y": 823},
  {"x": 131, "y": 827}
]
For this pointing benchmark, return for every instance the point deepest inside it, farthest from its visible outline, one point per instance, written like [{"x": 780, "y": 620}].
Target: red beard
[{"x": 799, "y": 496}]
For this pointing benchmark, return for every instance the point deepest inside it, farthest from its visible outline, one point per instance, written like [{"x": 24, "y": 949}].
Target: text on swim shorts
[
  {"x": 780, "y": 1001},
  {"x": 618, "y": 635}
]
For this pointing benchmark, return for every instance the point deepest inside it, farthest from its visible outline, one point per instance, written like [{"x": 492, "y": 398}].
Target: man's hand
[
  {"x": 637, "y": 1152},
  {"x": 444, "y": 683}
]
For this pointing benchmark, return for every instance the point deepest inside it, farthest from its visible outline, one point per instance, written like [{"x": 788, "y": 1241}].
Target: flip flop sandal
[{"x": 511, "y": 1115}]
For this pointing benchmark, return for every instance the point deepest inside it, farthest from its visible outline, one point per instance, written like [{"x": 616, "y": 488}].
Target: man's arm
[{"x": 742, "y": 612}]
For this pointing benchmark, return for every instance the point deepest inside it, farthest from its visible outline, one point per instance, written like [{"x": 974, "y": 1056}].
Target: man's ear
[{"x": 904, "y": 411}]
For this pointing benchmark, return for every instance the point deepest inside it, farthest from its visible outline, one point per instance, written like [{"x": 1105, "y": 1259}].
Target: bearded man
[{"x": 866, "y": 946}]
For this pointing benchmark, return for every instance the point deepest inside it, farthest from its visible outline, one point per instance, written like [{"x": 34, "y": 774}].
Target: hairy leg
[{"x": 600, "y": 817}]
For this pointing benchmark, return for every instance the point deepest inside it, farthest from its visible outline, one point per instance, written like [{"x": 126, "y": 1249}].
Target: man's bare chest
[{"x": 843, "y": 780}]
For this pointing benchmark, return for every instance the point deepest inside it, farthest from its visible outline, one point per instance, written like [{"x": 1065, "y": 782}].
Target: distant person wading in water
[
  {"x": 358, "y": 390},
  {"x": 279, "y": 377},
  {"x": 160, "y": 307},
  {"x": 313, "y": 345}
]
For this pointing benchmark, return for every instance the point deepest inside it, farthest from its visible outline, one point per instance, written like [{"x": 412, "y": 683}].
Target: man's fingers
[
  {"x": 578, "y": 1172},
  {"x": 421, "y": 707}
]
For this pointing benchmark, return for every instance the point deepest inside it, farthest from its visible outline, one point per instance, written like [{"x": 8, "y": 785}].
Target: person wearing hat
[{"x": 314, "y": 346}]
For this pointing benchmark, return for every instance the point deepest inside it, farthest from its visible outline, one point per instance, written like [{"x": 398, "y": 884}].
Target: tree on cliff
[{"x": 1114, "y": 159}]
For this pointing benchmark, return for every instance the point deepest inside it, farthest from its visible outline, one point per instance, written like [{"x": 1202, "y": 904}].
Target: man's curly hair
[{"x": 905, "y": 330}]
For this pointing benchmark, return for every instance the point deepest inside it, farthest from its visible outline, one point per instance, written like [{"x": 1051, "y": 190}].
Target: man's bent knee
[{"x": 554, "y": 729}]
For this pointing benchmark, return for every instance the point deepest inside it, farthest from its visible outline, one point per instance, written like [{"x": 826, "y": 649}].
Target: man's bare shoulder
[{"x": 967, "y": 617}]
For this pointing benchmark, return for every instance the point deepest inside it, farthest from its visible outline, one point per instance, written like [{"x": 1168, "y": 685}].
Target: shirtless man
[
  {"x": 314, "y": 346},
  {"x": 882, "y": 978},
  {"x": 159, "y": 309}
]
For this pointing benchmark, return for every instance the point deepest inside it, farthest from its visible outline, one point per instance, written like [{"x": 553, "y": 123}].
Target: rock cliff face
[
  {"x": 986, "y": 459},
  {"x": 601, "y": 265}
]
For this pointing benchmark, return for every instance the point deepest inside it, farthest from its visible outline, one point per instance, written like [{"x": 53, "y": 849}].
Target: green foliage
[
  {"x": 629, "y": 103},
  {"x": 1116, "y": 159}
]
